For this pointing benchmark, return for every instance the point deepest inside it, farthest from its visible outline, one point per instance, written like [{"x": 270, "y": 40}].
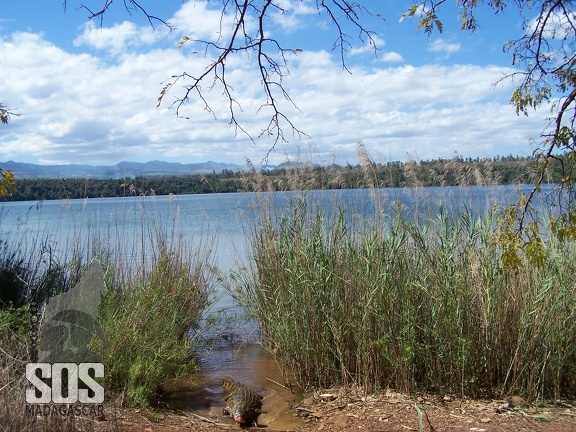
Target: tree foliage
[
  {"x": 7, "y": 181},
  {"x": 5, "y": 114},
  {"x": 545, "y": 58}
]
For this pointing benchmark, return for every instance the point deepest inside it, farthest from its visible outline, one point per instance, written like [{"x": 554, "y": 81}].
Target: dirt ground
[{"x": 348, "y": 410}]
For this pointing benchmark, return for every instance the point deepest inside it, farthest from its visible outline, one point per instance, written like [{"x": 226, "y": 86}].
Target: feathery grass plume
[
  {"x": 370, "y": 171},
  {"x": 253, "y": 180},
  {"x": 479, "y": 179},
  {"x": 491, "y": 175},
  {"x": 368, "y": 167},
  {"x": 295, "y": 177},
  {"x": 338, "y": 181},
  {"x": 411, "y": 172}
]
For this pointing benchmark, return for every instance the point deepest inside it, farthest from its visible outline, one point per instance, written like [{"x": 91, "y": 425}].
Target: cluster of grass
[
  {"x": 147, "y": 324},
  {"x": 157, "y": 283},
  {"x": 413, "y": 306},
  {"x": 13, "y": 344},
  {"x": 14, "y": 354}
]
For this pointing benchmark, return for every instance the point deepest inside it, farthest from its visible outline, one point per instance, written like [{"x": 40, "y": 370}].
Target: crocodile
[{"x": 242, "y": 404}]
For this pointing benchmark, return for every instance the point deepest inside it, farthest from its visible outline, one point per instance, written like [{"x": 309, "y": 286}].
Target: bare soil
[{"x": 349, "y": 410}]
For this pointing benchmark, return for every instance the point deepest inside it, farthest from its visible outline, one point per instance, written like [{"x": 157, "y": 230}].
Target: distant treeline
[{"x": 439, "y": 172}]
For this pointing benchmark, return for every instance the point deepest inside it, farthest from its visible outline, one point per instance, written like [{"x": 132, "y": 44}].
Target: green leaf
[{"x": 411, "y": 12}]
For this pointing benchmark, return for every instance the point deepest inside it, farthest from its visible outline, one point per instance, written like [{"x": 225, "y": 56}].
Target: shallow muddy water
[{"x": 247, "y": 363}]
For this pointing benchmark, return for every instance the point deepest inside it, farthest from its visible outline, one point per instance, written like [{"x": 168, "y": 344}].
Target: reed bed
[
  {"x": 28, "y": 263},
  {"x": 394, "y": 303}
]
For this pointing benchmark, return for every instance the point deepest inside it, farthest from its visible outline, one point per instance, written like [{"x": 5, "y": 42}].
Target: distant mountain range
[{"x": 125, "y": 169}]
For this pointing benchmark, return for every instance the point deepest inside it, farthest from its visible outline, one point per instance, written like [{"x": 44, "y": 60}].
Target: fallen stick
[
  {"x": 303, "y": 409},
  {"x": 207, "y": 420},
  {"x": 278, "y": 384}
]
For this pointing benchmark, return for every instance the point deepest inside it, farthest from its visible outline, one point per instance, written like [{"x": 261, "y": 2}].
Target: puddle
[{"x": 247, "y": 363}]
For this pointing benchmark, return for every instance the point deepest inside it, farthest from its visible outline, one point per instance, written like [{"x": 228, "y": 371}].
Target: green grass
[
  {"x": 413, "y": 306},
  {"x": 21, "y": 273},
  {"x": 146, "y": 325}
]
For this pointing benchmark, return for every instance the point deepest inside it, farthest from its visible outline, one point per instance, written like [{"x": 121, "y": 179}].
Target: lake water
[{"x": 224, "y": 220}]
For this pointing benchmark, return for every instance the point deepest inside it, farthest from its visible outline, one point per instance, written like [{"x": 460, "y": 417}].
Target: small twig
[
  {"x": 432, "y": 428},
  {"x": 303, "y": 409},
  {"x": 207, "y": 420},
  {"x": 9, "y": 356},
  {"x": 278, "y": 384}
]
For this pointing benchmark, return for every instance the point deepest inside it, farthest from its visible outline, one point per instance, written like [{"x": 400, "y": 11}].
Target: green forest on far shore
[{"x": 305, "y": 176}]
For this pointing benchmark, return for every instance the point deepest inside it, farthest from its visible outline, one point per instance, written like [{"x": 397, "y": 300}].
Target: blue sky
[{"x": 88, "y": 93}]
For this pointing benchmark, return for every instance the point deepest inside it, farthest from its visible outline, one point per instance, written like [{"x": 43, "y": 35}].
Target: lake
[
  {"x": 220, "y": 220},
  {"x": 226, "y": 216}
]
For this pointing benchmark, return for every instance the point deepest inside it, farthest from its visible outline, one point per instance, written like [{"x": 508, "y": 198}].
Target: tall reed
[
  {"x": 411, "y": 305},
  {"x": 28, "y": 263}
]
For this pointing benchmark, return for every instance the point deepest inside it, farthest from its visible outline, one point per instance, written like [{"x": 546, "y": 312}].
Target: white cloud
[
  {"x": 197, "y": 20},
  {"x": 554, "y": 25},
  {"x": 292, "y": 14},
  {"x": 369, "y": 46},
  {"x": 392, "y": 57},
  {"x": 76, "y": 108},
  {"x": 117, "y": 38},
  {"x": 431, "y": 111},
  {"x": 441, "y": 45}
]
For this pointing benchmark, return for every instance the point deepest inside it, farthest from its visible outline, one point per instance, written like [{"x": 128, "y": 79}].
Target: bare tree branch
[
  {"x": 131, "y": 6},
  {"x": 271, "y": 61},
  {"x": 271, "y": 57}
]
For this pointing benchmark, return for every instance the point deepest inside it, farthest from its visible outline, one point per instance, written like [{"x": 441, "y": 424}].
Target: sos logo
[{"x": 65, "y": 388}]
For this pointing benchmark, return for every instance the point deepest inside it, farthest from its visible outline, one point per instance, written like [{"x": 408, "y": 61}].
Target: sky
[{"x": 87, "y": 91}]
